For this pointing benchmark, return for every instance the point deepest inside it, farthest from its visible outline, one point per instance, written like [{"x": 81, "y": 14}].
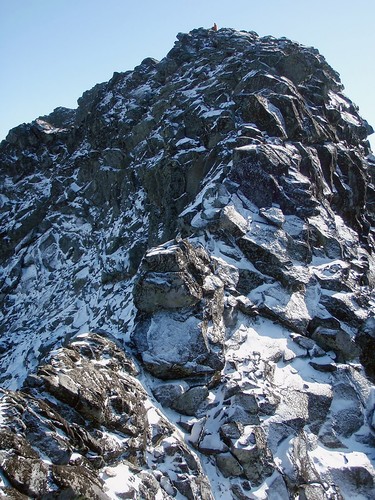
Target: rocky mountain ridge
[{"x": 212, "y": 214}]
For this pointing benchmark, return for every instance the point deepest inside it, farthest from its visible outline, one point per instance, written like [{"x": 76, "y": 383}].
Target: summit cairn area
[{"x": 187, "y": 283}]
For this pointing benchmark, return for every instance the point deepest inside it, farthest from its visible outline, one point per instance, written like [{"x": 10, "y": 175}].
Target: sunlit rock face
[{"x": 209, "y": 220}]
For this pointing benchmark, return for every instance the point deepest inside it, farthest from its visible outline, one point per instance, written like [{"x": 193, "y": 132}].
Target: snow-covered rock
[
  {"x": 209, "y": 219},
  {"x": 84, "y": 426}
]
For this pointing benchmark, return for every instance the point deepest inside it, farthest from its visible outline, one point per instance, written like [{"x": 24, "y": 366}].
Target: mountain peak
[{"x": 187, "y": 276}]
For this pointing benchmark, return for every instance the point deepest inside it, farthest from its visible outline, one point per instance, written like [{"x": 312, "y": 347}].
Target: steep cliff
[{"x": 209, "y": 220}]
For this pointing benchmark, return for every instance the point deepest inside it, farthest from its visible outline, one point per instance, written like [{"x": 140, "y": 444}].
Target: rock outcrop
[
  {"x": 179, "y": 330},
  {"x": 209, "y": 219},
  {"x": 83, "y": 425}
]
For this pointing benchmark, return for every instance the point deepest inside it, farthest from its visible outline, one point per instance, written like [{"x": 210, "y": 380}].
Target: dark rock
[
  {"x": 348, "y": 416},
  {"x": 318, "y": 408},
  {"x": 150, "y": 488},
  {"x": 189, "y": 402},
  {"x": 309, "y": 406},
  {"x": 303, "y": 342},
  {"x": 60, "y": 117},
  {"x": 231, "y": 431},
  {"x": 355, "y": 480},
  {"x": 250, "y": 279},
  {"x": 268, "y": 260},
  {"x": 348, "y": 421},
  {"x": 166, "y": 394},
  {"x": 340, "y": 309},
  {"x": 240, "y": 416},
  {"x": 93, "y": 395},
  {"x": 246, "y": 401},
  {"x": 13, "y": 494},
  {"x": 277, "y": 432},
  {"x": 282, "y": 305},
  {"x": 128, "y": 428},
  {"x": 172, "y": 279},
  {"x": 330, "y": 439},
  {"x": 323, "y": 367},
  {"x": 79, "y": 481},
  {"x": 268, "y": 403},
  {"x": 193, "y": 488},
  {"x": 255, "y": 457},
  {"x": 227, "y": 273},
  {"x": 167, "y": 291},
  {"x": 30, "y": 476},
  {"x": 228, "y": 465},
  {"x": 10, "y": 441},
  {"x": 238, "y": 492},
  {"x": 365, "y": 339},
  {"x": 338, "y": 341},
  {"x": 247, "y": 174},
  {"x": 302, "y": 461},
  {"x": 168, "y": 297},
  {"x": 246, "y": 306}
]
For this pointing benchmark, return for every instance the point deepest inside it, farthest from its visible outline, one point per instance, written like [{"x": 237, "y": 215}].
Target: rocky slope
[{"x": 187, "y": 304}]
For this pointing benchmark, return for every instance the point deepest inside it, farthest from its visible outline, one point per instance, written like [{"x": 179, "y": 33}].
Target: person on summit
[{"x": 214, "y": 27}]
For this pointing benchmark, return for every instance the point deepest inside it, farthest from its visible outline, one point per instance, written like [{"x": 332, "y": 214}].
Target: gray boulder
[
  {"x": 166, "y": 394},
  {"x": 254, "y": 456},
  {"x": 229, "y": 465},
  {"x": 180, "y": 302},
  {"x": 189, "y": 402},
  {"x": 174, "y": 345}
]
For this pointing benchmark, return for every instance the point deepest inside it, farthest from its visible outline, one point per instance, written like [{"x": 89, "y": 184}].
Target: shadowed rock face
[{"x": 210, "y": 217}]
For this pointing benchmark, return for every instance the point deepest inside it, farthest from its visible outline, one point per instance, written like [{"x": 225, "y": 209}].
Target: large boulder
[
  {"x": 179, "y": 296},
  {"x": 174, "y": 345}
]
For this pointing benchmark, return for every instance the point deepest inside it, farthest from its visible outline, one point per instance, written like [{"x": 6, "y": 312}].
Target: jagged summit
[{"x": 209, "y": 219}]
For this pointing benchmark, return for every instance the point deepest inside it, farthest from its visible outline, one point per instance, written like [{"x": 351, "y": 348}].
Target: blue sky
[{"x": 51, "y": 51}]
